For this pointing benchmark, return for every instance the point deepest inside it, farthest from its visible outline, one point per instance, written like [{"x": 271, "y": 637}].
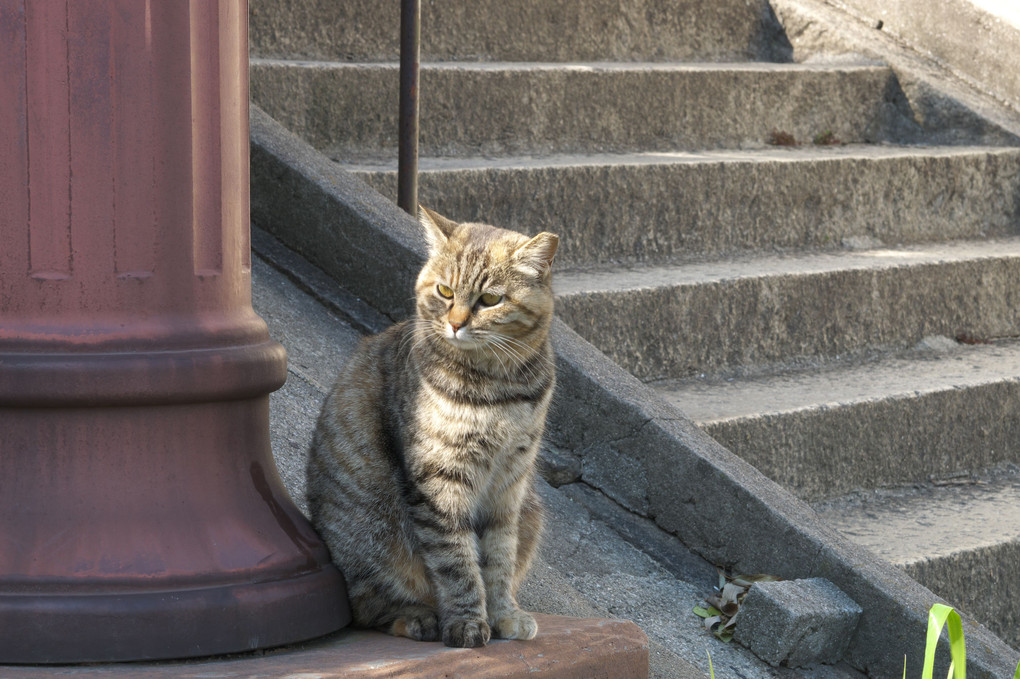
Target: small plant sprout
[{"x": 826, "y": 138}]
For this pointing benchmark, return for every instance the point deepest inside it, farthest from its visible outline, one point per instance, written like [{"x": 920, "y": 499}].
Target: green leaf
[
  {"x": 723, "y": 633},
  {"x": 711, "y": 670},
  {"x": 941, "y": 615},
  {"x": 709, "y": 612}
]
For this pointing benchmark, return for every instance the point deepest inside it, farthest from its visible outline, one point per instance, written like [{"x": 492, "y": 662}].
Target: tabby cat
[{"x": 420, "y": 479}]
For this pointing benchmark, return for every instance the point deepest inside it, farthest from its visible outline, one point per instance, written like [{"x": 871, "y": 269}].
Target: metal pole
[{"x": 410, "y": 44}]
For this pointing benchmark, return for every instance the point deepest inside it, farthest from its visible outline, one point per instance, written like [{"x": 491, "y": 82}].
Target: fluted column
[{"x": 141, "y": 514}]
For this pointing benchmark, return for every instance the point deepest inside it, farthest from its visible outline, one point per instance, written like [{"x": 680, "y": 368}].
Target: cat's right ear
[{"x": 436, "y": 228}]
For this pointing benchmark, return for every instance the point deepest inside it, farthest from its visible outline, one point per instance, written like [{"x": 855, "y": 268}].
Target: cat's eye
[
  {"x": 445, "y": 291},
  {"x": 490, "y": 299}
]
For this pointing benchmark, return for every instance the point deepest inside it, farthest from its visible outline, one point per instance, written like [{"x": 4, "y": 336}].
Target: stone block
[{"x": 797, "y": 623}]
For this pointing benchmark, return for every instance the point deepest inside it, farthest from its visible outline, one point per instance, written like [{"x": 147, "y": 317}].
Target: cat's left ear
[
  {"x": 535, "y": 257},
  {"x": 436, "y": 227}
]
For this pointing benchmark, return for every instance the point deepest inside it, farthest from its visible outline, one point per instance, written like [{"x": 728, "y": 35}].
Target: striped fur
[{"x": 420, "y": 479}]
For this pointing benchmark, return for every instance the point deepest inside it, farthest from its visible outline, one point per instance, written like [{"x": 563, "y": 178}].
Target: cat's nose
[{"x": 458, "y": 318}]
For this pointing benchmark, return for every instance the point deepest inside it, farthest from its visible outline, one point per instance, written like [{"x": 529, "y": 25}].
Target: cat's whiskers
[
  {"x": 488, "y": 345},
  {"x": 418, "y": 336},
  {"x": 412, "y": 336},
  {"x": 516, "y": 342},
  {"x": 509, "y": 346}
]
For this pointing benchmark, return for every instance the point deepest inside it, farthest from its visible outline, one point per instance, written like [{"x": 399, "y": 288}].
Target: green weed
[
  {"x": 826, "y": 138},
  {"x": 941, "y": 615},
  {"x": 938, "y": 616}
]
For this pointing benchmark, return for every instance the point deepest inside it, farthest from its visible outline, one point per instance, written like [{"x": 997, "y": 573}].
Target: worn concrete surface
[
  {"x": 651, "y": 207},
  {"x": 960, "y": 535},
  {"x": 682, "y": 30},
  {"x": 885, "y": 419},
  {"x": 972, "y": 41},
  {"x": 650, "y": 461},
  {"x": 634, "y": 447},
  {"x": 943, "y": 104},
  {"x": 773, "y": 309},
  {"x": 485, "y": 108}
]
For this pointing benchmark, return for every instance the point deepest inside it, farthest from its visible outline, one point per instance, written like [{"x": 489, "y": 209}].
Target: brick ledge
[{"x": 565, "y": 648}]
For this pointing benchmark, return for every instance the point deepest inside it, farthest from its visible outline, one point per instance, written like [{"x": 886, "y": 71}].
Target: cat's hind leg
[
  {"x": 529, "y": 534},
  {"x": 416, "y": 622},
  {"x": 397, "y": 616},
  {"x": 396, "y": 597}
]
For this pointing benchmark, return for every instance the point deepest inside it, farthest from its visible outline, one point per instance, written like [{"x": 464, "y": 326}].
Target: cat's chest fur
[
  {"x": 499, "y": 427},
  {"x": 481, "y": 433}
]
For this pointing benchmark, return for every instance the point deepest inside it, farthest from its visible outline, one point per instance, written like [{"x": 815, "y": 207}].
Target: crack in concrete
[{"x": 301, "y": 375}]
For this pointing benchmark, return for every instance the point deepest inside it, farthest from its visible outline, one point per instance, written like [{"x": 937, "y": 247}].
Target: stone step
[
  {"x": 661, "y": 207},
  {"x": 687, "y": 319},
  {"x": 349, "y": 110},
  {"x": 961, "y": 540},
  {"x": 941, "y": 409},
  {"x": 522, "y": 30},
  {"x": 565, "y": 648}
]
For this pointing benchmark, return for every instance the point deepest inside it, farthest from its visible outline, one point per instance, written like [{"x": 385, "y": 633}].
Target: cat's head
[{"x": 485, "y": 288}]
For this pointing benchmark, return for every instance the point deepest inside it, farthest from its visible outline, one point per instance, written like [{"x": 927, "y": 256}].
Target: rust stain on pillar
[{"x": 141, "y": 514}]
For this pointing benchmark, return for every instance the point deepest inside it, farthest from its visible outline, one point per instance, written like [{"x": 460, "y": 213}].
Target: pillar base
[
  {"x": 143, "y": 517},
  {"x": 49, "y": 626}
]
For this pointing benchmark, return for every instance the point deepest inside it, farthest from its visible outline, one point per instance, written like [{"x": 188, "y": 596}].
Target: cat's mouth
[{"x": 463, "y": 338}]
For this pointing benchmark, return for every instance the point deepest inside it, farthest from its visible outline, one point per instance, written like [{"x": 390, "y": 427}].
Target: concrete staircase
[{"x": 823, "y": 278}]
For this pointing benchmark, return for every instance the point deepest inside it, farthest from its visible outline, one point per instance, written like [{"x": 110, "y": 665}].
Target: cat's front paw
[
  {"x": 515, "y": 624},
  {"x": 466, "y": 633}
]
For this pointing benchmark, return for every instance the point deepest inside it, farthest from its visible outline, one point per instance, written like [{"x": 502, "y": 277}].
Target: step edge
[
  {"x": 753, "y": 67},
  {"x": 756, "y": 266},
  {"x": 541, "y": 162},
  {"x": 672, "y": 390}
]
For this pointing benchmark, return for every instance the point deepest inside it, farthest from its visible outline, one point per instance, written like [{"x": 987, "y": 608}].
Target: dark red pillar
[{"x": 141, "y": 514}]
